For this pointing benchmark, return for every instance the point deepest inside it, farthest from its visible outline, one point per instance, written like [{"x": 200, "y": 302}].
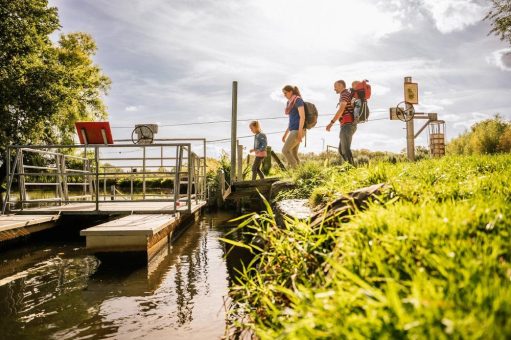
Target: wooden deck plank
[
  {"x": 257, "y": 183},
  {"x": 137, "y": 233},
  {"x": 10, "y": 222},
  {"x": 147, "y": 225}
]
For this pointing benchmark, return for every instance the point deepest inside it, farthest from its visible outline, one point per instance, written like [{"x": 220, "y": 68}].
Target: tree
[
  {"x": 489, "y": 136},
  {"x": 44, "y": 87},
  {"x": 500, "y": 17}
]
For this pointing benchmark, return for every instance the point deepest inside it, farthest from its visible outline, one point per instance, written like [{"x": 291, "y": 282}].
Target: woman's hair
[
  {"x": 255, "y": 124},
  {"x": 293, "y": 89}
]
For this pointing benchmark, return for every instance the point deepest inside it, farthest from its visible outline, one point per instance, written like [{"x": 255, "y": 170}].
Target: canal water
[{"x": 54, "y": 289}]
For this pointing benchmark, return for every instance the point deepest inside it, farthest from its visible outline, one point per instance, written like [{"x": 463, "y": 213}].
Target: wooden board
[
  {"x": 147, "y": 225},
  {"x": 256, "y": 183},
  {"x": 8, "y": 222},
  {"x": 146, "y": 233},
  {"x": 13, "y": 226}
]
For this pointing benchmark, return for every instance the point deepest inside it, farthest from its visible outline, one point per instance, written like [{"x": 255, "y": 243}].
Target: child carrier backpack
[
  {"x": 361, "y": 93},
  {"x": 311, "y": 115}
]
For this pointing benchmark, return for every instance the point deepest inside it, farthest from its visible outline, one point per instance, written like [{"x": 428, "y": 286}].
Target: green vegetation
[
  {"x": 500, "y": 18},
  {"x": 489, "y": 136},
  {"x": 44, "y": 87},
  {"x": 429, "y": 258}
]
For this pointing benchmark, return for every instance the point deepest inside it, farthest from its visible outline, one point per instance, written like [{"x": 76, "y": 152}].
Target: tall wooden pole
[
  {"x": 234, "y": 124},
  {"x": 410, "y": 135}
]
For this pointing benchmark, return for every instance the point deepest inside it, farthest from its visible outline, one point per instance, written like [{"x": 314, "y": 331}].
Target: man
[{"x": 345, "y": 115}]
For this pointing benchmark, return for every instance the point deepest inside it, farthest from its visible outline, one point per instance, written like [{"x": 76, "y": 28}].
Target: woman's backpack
[{"x": 311, "y": 115}]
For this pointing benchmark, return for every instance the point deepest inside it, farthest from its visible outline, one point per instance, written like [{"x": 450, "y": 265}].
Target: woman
[{"x": 294, "y": 133}]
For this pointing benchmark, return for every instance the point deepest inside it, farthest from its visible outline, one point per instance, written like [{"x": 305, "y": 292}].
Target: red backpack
[{"x": 362, "y": 90}]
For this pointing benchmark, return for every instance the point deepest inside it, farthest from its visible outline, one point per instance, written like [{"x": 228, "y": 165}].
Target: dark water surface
[{"x": 55, "y": 290}]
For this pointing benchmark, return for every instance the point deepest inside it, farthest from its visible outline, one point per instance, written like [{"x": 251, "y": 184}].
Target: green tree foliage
[
  {"x": 44, "y": 87},
  {"x": 500, "y": 17},
  {"x": 487, "y": 137}
]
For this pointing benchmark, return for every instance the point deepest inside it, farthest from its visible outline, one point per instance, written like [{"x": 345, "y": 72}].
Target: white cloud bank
[
  {"x": 454, "y": 15},
  {"x": 501, "y": 59}
]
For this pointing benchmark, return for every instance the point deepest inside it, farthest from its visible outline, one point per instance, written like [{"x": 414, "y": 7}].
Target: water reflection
[{"x": 69, "y": 294}]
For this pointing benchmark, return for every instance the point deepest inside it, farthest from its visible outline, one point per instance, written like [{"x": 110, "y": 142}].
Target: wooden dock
[
  {"x": 251, "y": 189},
  {"x": 83, "y": 179},
  {"x": 13, "y": 226},
  {"x": 146, "y": 233}
]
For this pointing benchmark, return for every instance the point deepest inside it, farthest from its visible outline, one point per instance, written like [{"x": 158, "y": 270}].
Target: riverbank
[{"x": 428, "y": 258}]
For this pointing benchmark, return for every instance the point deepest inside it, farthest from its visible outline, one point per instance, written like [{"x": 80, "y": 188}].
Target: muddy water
[{"x": 53, "y": 289}]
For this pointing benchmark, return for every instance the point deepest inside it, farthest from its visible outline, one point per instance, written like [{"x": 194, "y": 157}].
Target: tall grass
[{"x": 430, "y": 259}]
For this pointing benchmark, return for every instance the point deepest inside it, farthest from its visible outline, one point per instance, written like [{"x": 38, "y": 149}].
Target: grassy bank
[{"x": 429, "y": 259}]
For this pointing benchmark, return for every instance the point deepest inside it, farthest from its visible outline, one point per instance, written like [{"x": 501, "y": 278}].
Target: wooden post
[
  {"x": 410, "y": 132},
  {"x": 267, "y": 161},
  {"x": 278, "y": 161},
  {"x": 239, "y": 172},
  {"x": 221, "y": 188},
  {"x": 234, "y": 124}
]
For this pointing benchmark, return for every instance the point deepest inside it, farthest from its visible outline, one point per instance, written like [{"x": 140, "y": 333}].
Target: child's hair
[
  {"x": 355, "y": 83},
  {"x": 256, "y": 125}
]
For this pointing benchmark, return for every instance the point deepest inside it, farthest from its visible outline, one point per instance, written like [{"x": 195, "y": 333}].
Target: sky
[{"x": 173, "y": 62}]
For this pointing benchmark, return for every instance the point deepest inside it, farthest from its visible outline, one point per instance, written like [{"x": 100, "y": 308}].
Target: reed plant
[{"x": 430, "y": 258}]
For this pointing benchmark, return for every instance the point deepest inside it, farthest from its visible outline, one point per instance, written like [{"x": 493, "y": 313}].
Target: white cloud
[
  {"x": 470, "y": 118},
  {"x": 131, "y": 108},
  {"x": 454, "y": 15},
  {"x": 501, "y": 59}
]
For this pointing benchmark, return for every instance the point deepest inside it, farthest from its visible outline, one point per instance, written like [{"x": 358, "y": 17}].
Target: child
[
  {"x": 356, "y": 103},
  {"x": 260, "y": 143}
]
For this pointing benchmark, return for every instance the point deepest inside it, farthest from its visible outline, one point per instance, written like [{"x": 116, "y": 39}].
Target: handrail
[{"x": 186, "y": 164}]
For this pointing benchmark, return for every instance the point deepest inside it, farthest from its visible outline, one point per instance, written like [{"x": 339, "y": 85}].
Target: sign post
[
  {"x": 410, "y": 140},
  {"x": 405, "y": 112}
]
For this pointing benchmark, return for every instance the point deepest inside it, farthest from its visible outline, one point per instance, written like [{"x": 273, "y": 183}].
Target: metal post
[
  {"x": 21, "y": 171},
  {"x": 104, "y": 183},
  {"x": 204, "y": 181},
  {"x": 10, "y": 178},
  {"x": 239, "y": 172},
  {"x": 143, "y": 171},
  {"x": 131, "y": 185},
  {"x": 234, "y": 124},
  {"x": 65, "y": 187},
  {"x": 410, "y": 132},
  {"x": 177, "y": 181},
  {"x": 96, "y": 158},
  {"x": 190, "y": 179}
]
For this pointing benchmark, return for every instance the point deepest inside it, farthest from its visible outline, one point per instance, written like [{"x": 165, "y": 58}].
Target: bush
[{"x": 487, "y": 137}]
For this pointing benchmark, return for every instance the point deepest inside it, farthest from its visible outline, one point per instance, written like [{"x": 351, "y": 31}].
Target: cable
[
  {"x": 223, "y": 140},
  {"x": 228, "y": 121}
]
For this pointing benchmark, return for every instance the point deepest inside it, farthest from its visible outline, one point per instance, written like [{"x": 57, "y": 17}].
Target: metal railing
[{"x": 95, "y": 174}]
